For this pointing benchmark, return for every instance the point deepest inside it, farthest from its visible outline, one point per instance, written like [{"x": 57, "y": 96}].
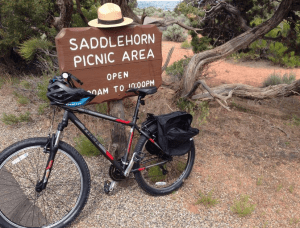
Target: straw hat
[{"x": 110, "y": 15}]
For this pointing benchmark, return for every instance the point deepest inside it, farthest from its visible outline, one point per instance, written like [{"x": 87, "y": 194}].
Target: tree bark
[
  {"x": 66, "y": 10},
  {"x": 126, "y": 10},
  {"x": 251, "y": 92},
  {"x": 118, "y": 134},
  {"x": 199, "y": 60}
]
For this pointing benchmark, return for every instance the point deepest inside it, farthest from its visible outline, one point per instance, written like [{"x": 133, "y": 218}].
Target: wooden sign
[{"x": 110, "y": 61}]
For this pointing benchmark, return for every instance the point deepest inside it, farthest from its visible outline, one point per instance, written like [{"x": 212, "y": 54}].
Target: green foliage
[
  {"x": 200, "y": 44},
  {"x": 189, "y": 11},
  {"x": 285, "y": 52},
  {"x": 25, "y": 84},
  {"x": 21, "y": 99},
  {"x": 185, "y": 45},
  {"x": 168, "y": 14},
  {"x": 155, "y": 174},
  {"x": 89, "y": 10},
  {"x": 185, "y": 105},
  {"x": 177, "y": 68},
  {"x": 29, "y": 48},
  {"x": 23, "y": 19},
  {"x": 150, "y": 11},
  {"x": 42, "y": 107},
  {"x": 175, "y": 33},
  {"x": 204, "y": 112},
  {"x": 132, "y": 4},
  {"x": 295, "y": 120},
  {"x": 276, "y": 79},
  {"x": 102, "y": 108},
  {"x": 11, "y": 119},
  {"x": 86, "y": 147},
  {"x": 201, "y": 111},
  {"x": 180, "y": 166},
  {"x": 207, "y": 200},
  {"x": 243, "y": 207},
  {"x": 42, "y": 89}
]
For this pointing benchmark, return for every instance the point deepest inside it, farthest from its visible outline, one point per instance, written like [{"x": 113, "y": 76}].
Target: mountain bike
[{"x": 44, "y": 182}]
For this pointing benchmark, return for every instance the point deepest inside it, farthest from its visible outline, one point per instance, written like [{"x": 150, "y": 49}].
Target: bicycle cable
[{"x": 54, "y": 108}]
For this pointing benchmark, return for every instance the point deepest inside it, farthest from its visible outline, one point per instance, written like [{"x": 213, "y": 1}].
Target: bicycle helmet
[{"x": 64, "y": 92}]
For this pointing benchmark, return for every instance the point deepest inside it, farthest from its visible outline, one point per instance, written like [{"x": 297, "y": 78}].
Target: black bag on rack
[{"x": 174, "y": 132}]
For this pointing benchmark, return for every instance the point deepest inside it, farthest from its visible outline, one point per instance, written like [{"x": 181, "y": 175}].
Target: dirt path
[
  {"x": 250, "y": 72},
  {"x": 242, "y": 152}
]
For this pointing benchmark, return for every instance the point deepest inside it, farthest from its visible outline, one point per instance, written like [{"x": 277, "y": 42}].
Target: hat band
[{"x": 110, "y": 22}]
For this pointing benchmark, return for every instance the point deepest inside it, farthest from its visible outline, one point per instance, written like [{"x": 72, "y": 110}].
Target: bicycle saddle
[{"x": 144, "y": 90}]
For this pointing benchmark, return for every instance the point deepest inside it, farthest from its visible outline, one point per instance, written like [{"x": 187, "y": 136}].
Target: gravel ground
[{"x": 128, "y": 206}]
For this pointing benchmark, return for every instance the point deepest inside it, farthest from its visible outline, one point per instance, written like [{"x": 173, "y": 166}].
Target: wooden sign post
[{"x": 110, "y": 61}]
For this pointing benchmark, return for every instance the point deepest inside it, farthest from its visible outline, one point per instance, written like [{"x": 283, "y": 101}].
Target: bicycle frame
[{"x": 69, "y": 115}]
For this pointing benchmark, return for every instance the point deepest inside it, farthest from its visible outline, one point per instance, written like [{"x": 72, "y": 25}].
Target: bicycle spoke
[{"x": 21, "y": 205}]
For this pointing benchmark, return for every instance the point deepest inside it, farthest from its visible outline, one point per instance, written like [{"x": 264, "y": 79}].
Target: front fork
[{"x": 51, "y": 147}]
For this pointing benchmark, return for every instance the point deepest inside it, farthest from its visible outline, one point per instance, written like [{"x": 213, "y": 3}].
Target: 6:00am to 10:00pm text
[{"x": 121, "y": 88}]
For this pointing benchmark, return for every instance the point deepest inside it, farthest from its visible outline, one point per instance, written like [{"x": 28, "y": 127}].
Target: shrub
[
  {"x": 132, "y": 4},
  {"x": 175, "y": 33},
  {"x": 25, "y": 84},
  {"x": 89, "y": 11},
  {"x": 11, "y": 119},
  {"x": 21, "y": 99},
  {"x": 42, "y": 89},
  {"x": 276, "y": 79},
  {"x": 29, "y": 48},
  {"x": 177, "y": 68},
  {"x": 86, "y": 147},
  {"x": 243, "y": 207},
  {"x": 200, "y": 44},
  {"x": 185, "y": 45},
  {"x": 285, "y": 53},
  {"x": 207, "y": 200},
  {"x": 41, "y": 50},
  {"x": 189, "y": 10},
  {"x": 150, "y": 11}
]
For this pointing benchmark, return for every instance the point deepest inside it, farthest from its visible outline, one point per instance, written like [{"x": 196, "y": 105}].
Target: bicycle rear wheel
[
  {"x": 22, "y": 166},
  {"x": 165, "y": 178}
]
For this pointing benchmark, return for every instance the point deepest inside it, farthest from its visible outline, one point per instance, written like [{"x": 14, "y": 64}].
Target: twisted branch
[{"x": 168, "y": 59}]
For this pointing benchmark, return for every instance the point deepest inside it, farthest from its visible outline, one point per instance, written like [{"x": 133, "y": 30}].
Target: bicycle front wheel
[
  {"x": 22, "y": 166},
  {"x": 166, "y": 177}
]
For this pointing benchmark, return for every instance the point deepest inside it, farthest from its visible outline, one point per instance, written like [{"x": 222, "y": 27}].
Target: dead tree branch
[
  {"x": 66, "y": 10},
  {"x": 144, "y": 15},
  {"x": 251, "y": 92},
  {"x": 164, "y": 23},
  {"x": 199, "y": 60},
  {"x": 231, "y": 10},
  {"x": 168, "y": 59}
]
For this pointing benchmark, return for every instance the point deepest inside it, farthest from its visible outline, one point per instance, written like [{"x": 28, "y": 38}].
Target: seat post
[{"x": 135, "y": 116}]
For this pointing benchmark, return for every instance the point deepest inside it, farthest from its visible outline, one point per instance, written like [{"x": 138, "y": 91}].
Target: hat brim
[{"x": 94, "y": 23}]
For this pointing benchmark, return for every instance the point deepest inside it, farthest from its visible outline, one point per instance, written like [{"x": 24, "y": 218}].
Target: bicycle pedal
[{"x": 109, "y": 186}]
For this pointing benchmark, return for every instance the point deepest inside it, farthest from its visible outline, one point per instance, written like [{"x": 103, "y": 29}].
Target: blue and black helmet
[{"x": 62, "y": 91}]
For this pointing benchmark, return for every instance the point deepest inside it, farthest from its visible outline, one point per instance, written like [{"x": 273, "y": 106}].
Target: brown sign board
[{"x": 110, "y": 61}]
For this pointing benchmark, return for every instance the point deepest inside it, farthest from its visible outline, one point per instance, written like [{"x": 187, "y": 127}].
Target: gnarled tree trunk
[
  {"x": 64, "y": 19},
  {"x": 251, "y": 92},
  {"x": 199, "y": 60}
]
